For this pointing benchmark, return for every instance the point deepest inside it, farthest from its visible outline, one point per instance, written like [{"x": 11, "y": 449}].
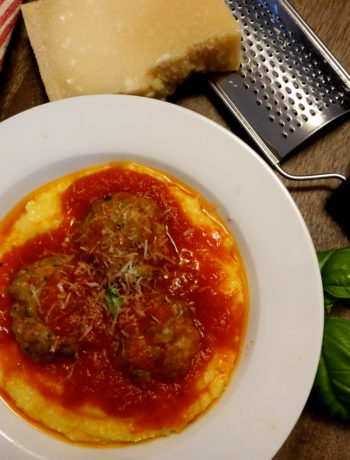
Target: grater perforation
[{"x": 288, "y": 86}]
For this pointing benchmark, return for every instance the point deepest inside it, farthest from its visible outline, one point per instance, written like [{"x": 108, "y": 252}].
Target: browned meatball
[
  {"x": 34, "y": 337},
  {"x": 124, "y": 234},
  {"x": 162, "y": 343},
  {"x": 121, "y": 221}
]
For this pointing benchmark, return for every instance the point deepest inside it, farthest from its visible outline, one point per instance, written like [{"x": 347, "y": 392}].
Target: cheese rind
[{"x": 144, "y": 47}]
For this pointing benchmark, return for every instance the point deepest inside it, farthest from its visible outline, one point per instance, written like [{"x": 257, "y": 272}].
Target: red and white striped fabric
[{"x": 9, "y": 12}]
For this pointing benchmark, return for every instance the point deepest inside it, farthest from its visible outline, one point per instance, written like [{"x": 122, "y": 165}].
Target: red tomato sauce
[{"x": 96, "y": 376}]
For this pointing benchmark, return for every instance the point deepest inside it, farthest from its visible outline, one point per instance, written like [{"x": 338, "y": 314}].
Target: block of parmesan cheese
[{"x": 144, "y": 47}]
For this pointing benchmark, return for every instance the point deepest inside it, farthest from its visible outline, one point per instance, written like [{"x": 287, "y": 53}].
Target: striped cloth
[{"x": 9, "y": 12}]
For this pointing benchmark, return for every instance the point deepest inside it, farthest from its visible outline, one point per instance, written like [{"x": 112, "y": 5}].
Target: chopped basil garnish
[{"x": 114, "y": 301}]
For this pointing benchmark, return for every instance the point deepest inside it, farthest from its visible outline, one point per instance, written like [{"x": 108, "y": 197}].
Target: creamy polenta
[{"x": 123, "y": 302}]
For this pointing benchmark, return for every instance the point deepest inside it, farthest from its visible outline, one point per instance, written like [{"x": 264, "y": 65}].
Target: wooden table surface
[{"x": 315, "y": 436}]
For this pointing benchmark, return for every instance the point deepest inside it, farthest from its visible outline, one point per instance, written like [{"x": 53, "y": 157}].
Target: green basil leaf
[
  {"x": 336, "y": 289},
  {"x": 335, "y": 272},
  {"x": 323, "y": 256},
  {"x": 114, "y": 301},
  {"x": 332, "y": 383},
  {"x": 328, "y": 303}
]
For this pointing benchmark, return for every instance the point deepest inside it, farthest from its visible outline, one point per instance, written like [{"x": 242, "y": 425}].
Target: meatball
[
  {"x": 34, "y": 337},
  {"x": 121, "y": 221},
  {"x": 123, "y": 234},
  {"x": 162, "y": 343}
]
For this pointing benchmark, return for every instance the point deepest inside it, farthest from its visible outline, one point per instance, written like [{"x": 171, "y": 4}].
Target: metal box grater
[{"x": 289, "y": 85}]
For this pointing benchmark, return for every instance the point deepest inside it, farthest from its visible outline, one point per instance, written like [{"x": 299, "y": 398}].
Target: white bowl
[{"x": 283, "y": 340}]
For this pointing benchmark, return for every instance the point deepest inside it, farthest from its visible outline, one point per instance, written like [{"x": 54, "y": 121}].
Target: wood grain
[{"x": 315, "y": 436}]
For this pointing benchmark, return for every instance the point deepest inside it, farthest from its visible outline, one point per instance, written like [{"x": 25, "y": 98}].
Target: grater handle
[
  {"x": 338, "y": 206},
  {"x": 309, "y": 176}
]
